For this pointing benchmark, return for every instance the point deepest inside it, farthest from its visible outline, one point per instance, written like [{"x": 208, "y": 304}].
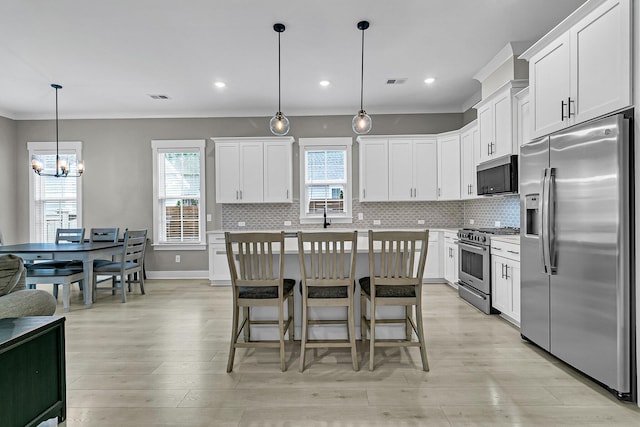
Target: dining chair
[
  {"x": 103, "y": 235},
  {"x": 52, "y": 270},
  {"x": 256, "y": 263},
  {"x": 396, "y": 267},
  {"x": 130, "y": 262},
  {"x": 327, "y": 264}
]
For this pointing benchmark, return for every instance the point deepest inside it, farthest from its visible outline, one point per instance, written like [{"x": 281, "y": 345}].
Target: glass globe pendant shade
[
  {"x": 279, "y": 124},
  {"x": 361, "y": 122}
]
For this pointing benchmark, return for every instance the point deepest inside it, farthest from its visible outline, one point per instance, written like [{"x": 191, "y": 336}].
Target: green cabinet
[{"x": 32, "y": 370}]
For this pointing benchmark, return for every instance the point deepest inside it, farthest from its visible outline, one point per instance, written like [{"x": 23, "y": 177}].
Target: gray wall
[
  {"x": 117, "y": 186},
  {"x": 8, "y": 193}
]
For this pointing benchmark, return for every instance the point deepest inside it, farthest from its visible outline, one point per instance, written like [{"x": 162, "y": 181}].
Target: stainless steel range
[{"x": 474, "y": 268}]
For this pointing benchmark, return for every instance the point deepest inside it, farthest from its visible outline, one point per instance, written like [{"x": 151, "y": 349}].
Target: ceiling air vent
[
  {"x": 159, "y": 96},
  {"x": 396, "y": 81}
]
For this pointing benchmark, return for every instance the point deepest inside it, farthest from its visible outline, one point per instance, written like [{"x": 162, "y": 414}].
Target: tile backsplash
[
  {"x": 484, "y": 212},
  {"x": 445, "y": 214}
]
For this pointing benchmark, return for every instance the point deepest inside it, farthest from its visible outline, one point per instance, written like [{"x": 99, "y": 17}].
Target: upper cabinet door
[
  {"x": 401, "y": 169},
  {"x": 502, "y": 125},
  {"x": 425, "y": 169},
  {"x": 485, "y": 126},
  {"x": 278, "y": 172},
  {"x": 449, "y": 167},
  {"x": 251, "y": 172},
  {"x": 227, "y": 173},
  {"x": 600, "y": 61},
  {"x": 549, "y": 75},
  {"x": 374, "y": 171},
  {"x": 468, "y": 143}
]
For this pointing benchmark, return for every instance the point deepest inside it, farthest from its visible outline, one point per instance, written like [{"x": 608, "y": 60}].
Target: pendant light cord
[
  {"x": 362, "y": 72},
  {"x": 279, "y": 89}
]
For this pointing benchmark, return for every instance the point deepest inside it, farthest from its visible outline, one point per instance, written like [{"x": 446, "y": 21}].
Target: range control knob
[{"x": 484, "y": 239}]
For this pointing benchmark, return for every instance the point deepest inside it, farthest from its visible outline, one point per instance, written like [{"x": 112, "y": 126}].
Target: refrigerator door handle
[
  {"x": 551, "y": 218},
  {"x": 543, "y": 221}
]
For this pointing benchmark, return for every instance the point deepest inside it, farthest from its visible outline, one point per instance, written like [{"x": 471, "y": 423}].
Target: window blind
[
  {"x": 325, "y": 181},
  {"x": 179, "y": 195}
]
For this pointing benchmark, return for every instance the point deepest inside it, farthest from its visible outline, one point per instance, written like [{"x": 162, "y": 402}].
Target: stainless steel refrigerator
[{"x": 576, "y": 202}]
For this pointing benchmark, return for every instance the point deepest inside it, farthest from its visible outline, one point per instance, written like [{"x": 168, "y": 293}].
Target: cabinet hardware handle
[
  {"x": 562, "y": 116},
  {"x": 363, "y": 193},
  {"x": 439, "y": 192},
  {"x": 506, "y": 271},
  {"x": 236, "y": 194},
  {"x": 488, "y": 149},
  {"x": 240, "y": 194},
  {"x": 493, "y": 145},
  {"x": 569, "y": 113},
  {"x": 502, "y": 270},
  {"x": 513, "y": 252},
  {"x": 287, "y": 194}
]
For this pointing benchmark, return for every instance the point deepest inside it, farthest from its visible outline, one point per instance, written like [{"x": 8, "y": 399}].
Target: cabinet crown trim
[
  {"x": 562, "y": 27},
  {"x": 289, "y": 139},
  {"x": 511, "y": 84}
]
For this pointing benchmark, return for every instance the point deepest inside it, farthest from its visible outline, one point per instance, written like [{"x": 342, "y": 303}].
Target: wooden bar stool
[{"x": 327, "y": 264}]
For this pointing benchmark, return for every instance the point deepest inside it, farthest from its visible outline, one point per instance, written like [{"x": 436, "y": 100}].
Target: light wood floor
[{"x": 159, "y": 360}]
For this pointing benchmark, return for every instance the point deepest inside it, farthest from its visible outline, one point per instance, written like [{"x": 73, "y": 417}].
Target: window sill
[
  {"x": 179, "y": 247},
  {"x": 334, "y": 220}
]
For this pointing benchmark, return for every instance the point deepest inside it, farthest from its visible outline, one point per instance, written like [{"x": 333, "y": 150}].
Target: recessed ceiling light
[
  {"x": 325, "y": 83},
  {"x": 220, "y": 84},
  {"x": 429, "y": 80}
]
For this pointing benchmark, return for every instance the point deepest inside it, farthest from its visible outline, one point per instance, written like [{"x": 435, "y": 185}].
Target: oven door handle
[{"x": 464, "y": 245}]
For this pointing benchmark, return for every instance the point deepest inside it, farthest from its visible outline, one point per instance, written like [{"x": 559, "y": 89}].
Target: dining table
[{"x": 86, "y": 252}]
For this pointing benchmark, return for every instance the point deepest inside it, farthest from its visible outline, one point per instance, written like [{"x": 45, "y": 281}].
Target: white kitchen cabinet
[
  {"x": 278, "y": 172},
  {"x": 449, "y": 166},
  {"x": 469, "y": 151},
  {"x": 374, "y": 169},
  {"x": 496, "y": 122},
  {"x": 247, "y": 169},
  {"x": 413, "y": 173},
  {"x": 450, "y": 258},
  {"x": 582, "y": 68},
  {"x": 523, "y": 118},
  {"x": 433, "y": 264},
  {"x": 218, "y": 265},
  {"x": 505, "y": 279}
]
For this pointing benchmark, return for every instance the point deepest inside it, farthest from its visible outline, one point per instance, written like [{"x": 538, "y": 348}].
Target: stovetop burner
[
  {"x": 482, "y": 235},
  {"x": 494, "y": 230}
]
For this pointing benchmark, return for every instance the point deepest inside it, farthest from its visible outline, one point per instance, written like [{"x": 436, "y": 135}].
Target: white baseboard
[{"x": 178, "y": 274}]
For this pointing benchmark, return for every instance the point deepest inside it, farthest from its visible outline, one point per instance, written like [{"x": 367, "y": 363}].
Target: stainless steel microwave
[{"x": 499, "y": 176}]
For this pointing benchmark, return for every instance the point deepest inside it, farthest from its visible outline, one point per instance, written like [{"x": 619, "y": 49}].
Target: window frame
[
  {"x": 309, "y": 144},
  {"x": 179, "y": 145},
  {"x": 40, "y": 148}
]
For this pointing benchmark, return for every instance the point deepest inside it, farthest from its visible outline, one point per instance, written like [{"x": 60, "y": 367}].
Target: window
[
  {"x": 54, "y": 202},
  {"x": 325, "y": 177},
  {"x": 178, "y": 194}
]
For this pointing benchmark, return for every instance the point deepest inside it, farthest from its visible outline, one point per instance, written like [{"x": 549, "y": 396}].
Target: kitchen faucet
[{"x": 326, "y": 224}]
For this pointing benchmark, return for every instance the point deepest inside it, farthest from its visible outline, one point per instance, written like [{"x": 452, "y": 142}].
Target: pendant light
[
  {"x": 62, "y": 168},
  {"x": 279, "y": 124},
  {"x": 361, "y": 122}
]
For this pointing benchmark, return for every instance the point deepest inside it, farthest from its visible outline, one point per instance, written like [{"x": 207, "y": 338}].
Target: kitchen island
[{"x": 292, "y": 271}]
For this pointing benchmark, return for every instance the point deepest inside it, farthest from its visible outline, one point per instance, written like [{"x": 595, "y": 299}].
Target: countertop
[
  {"x": 515, "y": 239},
  {"x": 291, "y": 241}
]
